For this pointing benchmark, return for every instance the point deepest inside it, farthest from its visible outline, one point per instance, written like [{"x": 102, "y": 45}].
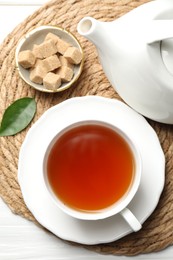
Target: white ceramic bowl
[{"x": 37, "y": 36}]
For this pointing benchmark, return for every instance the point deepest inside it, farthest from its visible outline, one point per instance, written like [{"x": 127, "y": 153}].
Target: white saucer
[{"x": 35, "y": 194}]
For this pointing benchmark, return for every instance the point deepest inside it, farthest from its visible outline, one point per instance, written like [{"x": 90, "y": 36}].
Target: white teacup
[{"x": 68, "y": 175}]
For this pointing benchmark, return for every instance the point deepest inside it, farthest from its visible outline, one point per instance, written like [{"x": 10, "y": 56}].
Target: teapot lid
[{"x": 167, "y": 54}]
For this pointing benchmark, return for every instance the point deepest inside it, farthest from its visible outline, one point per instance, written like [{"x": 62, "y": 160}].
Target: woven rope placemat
[{"x": 157, "y": 231}]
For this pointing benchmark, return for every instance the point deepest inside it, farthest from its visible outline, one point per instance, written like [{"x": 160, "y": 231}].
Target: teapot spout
[{"x": 92, "y": 29}]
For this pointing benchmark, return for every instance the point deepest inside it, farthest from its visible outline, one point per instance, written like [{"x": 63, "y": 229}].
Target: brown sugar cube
[
  {"x": 62, "y": 46},
  {"x": 51, "y": 63},
  {"x": 65, "y": 73},
  {"x": 52, "y": 81},
  {"x": 38, "y": 51},
  {"x": 45, "y": 49},
  {"x": 38, "y": 72},
  {"x": 26, "y": 59},
  {"x": 52, "y": 36},
  {"x": 65, "y": 62},
  {"x": 40, "y": 63},
  {"x": 73, "y": 55}
]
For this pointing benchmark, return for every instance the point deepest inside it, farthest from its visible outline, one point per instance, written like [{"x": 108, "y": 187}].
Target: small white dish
[
  {"x": 36, "y": 195},
  {"x": 37, "y": 36}
]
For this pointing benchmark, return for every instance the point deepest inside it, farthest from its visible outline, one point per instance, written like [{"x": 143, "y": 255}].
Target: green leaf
[{"x": 17, "y": 116}]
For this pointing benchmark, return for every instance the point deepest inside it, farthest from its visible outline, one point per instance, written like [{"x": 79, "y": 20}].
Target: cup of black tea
[{"x": 92, "y": 170}]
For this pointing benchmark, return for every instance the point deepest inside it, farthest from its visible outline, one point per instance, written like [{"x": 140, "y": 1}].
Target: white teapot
[{"x": 136, "y": 53}]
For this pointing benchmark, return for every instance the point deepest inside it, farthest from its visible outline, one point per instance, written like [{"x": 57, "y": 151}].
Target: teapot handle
[{"x": 158, "y": 30}]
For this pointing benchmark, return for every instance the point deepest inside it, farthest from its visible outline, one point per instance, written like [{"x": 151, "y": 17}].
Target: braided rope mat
[{"x": 157, "y": 231}]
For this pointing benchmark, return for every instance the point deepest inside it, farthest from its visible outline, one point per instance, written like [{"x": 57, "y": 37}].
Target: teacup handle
[
  {"x": 159, "y": 30},
  {"x": 131, "y": 219}
]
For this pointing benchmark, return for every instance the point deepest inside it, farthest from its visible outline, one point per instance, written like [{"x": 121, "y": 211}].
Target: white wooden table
[{"x": 19, "y": 238}]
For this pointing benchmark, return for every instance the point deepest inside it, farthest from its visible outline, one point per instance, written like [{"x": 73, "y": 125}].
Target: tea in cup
[{"x": 92, "y": 170}]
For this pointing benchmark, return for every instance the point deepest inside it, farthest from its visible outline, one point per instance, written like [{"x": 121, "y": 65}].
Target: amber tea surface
[{"x": 90, "y": 167}]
